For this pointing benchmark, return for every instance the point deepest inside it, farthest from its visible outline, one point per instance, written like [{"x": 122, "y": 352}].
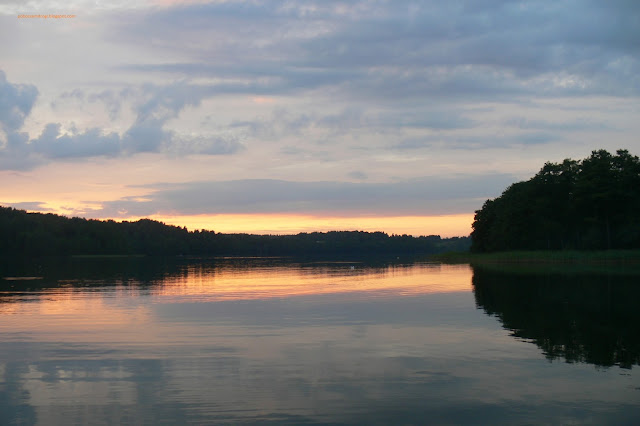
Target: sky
[{"x": 296, "y": 116}]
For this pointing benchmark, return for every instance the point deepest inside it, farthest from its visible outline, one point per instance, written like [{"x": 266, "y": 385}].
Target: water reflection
[
  {"x": 232, "y": 278},
  {"x": 277, "y": 341},
  {"x": 224, "y": 281},
  {"x": 572, "y": 315}
]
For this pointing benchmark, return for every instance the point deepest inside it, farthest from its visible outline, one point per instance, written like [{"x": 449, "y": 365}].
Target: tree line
[
  {"x": 37, "y": 234},
  {"x": 591, "y": 204}
]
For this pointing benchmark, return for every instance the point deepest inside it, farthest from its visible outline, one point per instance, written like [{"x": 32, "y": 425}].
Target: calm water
[{"x": 268, "y": 341}]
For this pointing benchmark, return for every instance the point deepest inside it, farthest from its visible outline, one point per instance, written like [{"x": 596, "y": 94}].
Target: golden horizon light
[{"x": 456, "y": 225}]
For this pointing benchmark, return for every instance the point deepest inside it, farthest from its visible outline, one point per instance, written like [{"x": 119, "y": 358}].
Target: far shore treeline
[
  {"x": 38, "y": 234},
  {"x": 590, "y": 204}
]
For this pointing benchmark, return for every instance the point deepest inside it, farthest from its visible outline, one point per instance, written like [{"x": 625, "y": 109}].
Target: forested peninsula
[
  {"x": 38, "y": 234},
  {"x": 589, "y": 204}
]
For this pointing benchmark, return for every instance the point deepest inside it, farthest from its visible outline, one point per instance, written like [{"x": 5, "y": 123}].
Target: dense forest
[
  {"x": 37, "y": 234},
  {"x": 591, "y": 204}
]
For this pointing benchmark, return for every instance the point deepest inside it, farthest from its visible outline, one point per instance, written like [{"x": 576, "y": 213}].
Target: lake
[{"x": 304, "y": 341}]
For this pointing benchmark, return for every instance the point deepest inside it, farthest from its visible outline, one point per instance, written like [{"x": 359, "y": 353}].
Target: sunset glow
[
  {"x": 445, "y": 226},
  {"x": 286, "y": 117},
  {"x": 279, "y": 212}
]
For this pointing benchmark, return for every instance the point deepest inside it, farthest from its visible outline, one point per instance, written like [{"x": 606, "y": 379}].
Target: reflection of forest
[
  {"x": 580, "y": 317},
  {"x": 153, "y": 269},
  {"x": 146, "y": 272}
]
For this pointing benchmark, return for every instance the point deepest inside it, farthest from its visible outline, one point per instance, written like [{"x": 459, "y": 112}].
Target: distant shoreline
[{"x": 38, "y": 234}]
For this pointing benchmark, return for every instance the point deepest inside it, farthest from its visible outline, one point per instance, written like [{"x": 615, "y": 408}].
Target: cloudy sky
[{"x": 287, "y": 116}]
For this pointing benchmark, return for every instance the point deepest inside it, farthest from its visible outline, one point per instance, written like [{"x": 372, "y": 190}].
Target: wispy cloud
[
  {"x": 425, "y": 196},
  {"x": 156, "y": 105},
  {"x": 372, "y": 49},
  {"x": 16, "y": 102}
]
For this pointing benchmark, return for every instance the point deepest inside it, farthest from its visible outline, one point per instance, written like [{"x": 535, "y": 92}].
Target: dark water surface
[{"x": 274, "y": 341}]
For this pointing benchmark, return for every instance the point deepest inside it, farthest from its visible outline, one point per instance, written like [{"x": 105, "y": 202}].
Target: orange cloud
[{"x": 262, "y": 100}]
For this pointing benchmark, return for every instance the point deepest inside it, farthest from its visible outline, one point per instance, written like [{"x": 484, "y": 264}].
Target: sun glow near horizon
[
  {"x": 456, "y": 225},
  {"x": 452, "y": 225}
]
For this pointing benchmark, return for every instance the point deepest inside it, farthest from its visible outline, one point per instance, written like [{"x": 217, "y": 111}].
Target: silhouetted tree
[{"x": 588, "y": 204}]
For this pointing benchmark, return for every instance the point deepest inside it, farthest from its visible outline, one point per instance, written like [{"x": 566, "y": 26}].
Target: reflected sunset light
[
  {"x": 74, "y": 314},
  {"x": 208, "y": 284}
]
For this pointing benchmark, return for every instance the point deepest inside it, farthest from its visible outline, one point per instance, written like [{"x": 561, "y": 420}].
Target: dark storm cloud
[{"x": 433, "y": 195}]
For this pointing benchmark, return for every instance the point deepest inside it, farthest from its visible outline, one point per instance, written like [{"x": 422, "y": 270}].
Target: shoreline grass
[{"x": 543, "y": 257}]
